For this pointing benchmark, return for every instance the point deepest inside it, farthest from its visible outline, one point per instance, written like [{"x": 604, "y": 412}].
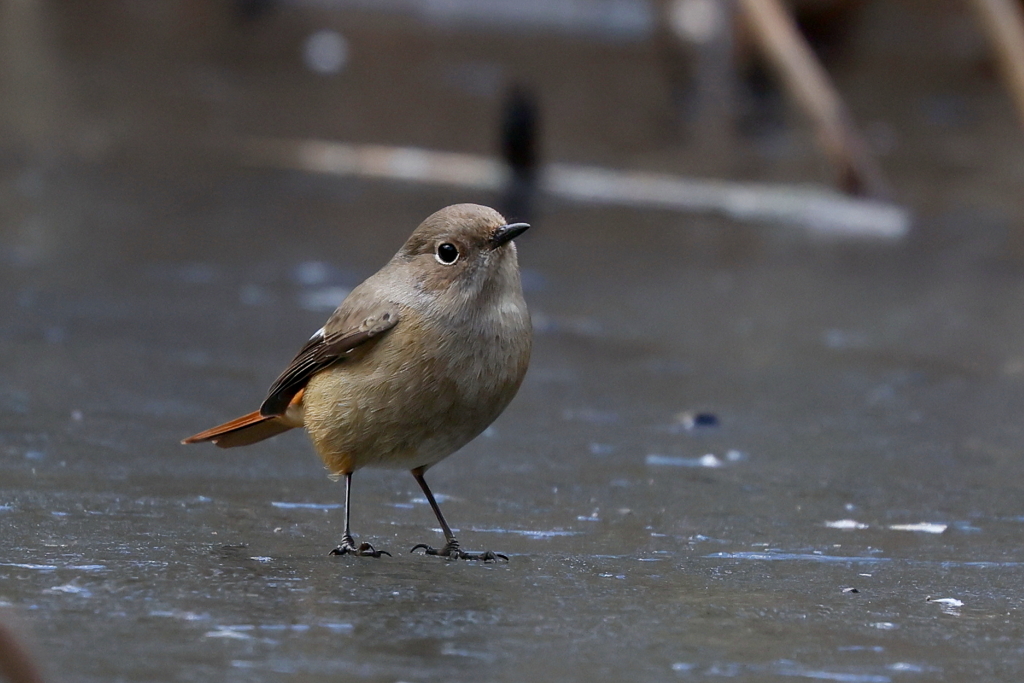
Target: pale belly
[{"x": 401, "y": 406}]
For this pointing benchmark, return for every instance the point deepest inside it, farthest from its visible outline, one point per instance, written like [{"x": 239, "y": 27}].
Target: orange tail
[{"x": 242, "y": 431}]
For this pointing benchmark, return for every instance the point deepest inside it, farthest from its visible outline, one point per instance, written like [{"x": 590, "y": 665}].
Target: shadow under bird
[{"x": 416, "y": 362}]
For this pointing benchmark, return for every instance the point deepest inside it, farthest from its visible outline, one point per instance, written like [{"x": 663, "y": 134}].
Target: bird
[{"x": 416, "y": 362}]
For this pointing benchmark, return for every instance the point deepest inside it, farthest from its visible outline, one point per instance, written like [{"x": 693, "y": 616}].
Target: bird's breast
[{"x": 426, "y": 388}]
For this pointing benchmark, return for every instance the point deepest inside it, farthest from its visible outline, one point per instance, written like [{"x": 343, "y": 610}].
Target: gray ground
[{"x": 151, "y": 286}]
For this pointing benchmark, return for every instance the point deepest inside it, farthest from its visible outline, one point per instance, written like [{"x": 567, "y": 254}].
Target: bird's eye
[{"x": 447, "y": 254}]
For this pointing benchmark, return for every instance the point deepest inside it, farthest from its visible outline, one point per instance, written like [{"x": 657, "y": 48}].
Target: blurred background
[{"x": 772, "y": 427}]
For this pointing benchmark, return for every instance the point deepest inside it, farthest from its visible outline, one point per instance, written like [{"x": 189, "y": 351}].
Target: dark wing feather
[{"x": 322, "y": 351}]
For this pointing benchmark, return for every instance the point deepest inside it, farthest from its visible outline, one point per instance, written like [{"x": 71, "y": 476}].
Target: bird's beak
[{"x": 507, "y": 233}]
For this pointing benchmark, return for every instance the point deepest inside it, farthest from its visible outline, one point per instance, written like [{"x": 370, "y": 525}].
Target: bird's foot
[
  {"x": 348, "y": 547},
  {"x": 452, "y": 551}
]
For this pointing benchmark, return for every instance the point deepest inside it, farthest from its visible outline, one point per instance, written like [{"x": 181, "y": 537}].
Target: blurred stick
[
  {"x": 824, "y": 211},
  {"x": 1003, "y": 21},
  {"x": 797, "y": 66}
]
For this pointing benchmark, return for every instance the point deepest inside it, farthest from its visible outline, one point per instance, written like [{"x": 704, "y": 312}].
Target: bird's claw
[
  {"x": 453, "y": 551},
  {"x": 348, "y": 547}
]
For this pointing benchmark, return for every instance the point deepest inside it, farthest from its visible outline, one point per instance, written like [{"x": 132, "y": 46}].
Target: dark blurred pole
[
  {"x": 36, "y": 119},
  {"x": 775, "y": 31},
  {"x": 698, "y": 58},
  {"x": 1003, "y": 22},
  {"x": 520, "y": 143},
  {"x": 30, "y": 99}
]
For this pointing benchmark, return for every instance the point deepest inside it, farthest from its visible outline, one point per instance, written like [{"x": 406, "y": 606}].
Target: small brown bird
[{"x": 416, "y": 362}]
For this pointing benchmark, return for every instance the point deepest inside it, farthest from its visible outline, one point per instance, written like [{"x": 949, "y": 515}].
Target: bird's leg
[
  {"x": 451, "y": 547},
  {"x": 348, "y": 545}
]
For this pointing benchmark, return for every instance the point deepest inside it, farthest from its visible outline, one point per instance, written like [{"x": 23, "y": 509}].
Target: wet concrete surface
[{"x": 866, "y": 456}]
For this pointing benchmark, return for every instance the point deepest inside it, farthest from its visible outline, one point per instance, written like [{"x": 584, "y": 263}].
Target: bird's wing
[{"x": 349, "y": 328}]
